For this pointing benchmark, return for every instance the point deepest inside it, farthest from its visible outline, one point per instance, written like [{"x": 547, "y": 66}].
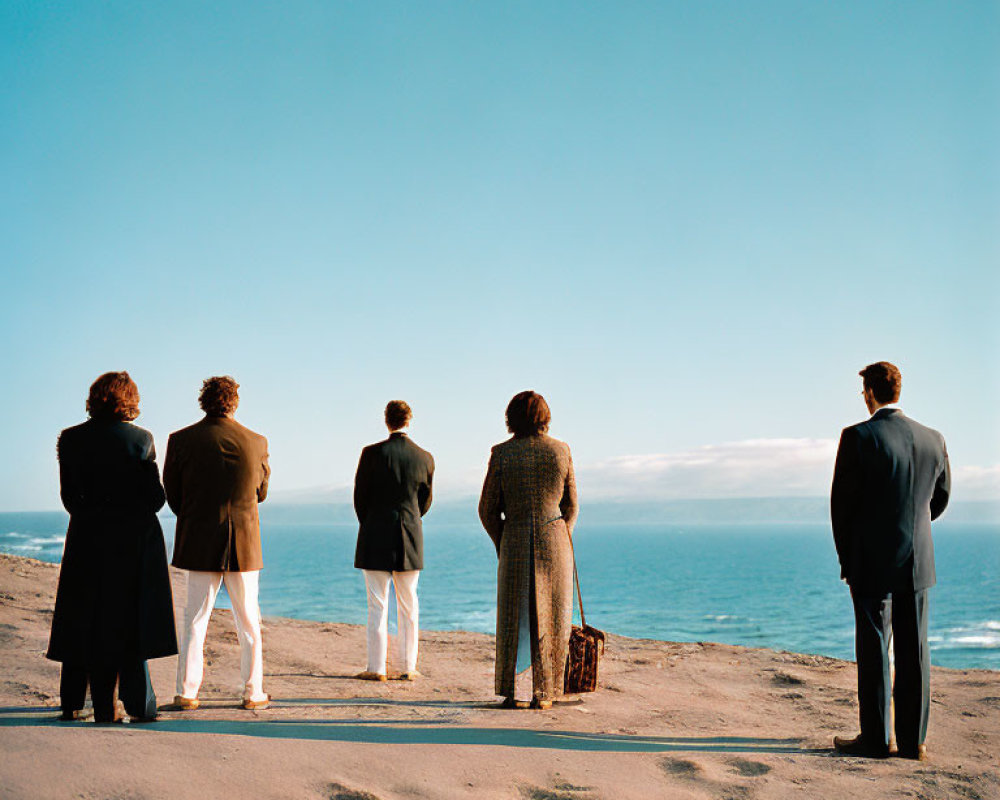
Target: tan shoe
[
  {"x": 182, "y": 703},
  {"x": 510, "y": 702},
  {"x": 257, "y": 705},
  {"x": 412, "y": 675},
  {"x": 76, "y": 715},
  {"x": 371, "y": 676},
  {"x": 540, "y": 704}
]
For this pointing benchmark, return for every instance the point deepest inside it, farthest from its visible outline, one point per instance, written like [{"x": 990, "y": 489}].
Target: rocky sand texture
[{"x": 671, "y": 720}]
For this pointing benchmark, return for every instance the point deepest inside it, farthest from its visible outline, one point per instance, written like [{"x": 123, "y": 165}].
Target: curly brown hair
[
  {"x": 528, "y": 414},
  {"x": 397, "y": 414},
  {"x": 219, "y": 396},
  {"x": 884, "y": 380},
  {"x": 114, "y": 395}
]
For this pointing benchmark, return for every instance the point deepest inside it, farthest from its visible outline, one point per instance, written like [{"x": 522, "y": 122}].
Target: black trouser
[
  {"x": 905, "y": 614},
  {"x": 134, "y": 689}
]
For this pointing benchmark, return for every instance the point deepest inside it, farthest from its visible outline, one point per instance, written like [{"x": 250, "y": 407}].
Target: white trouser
[
  {"x": 202, "y": 589},
  {"x": 407, "y": 617}
]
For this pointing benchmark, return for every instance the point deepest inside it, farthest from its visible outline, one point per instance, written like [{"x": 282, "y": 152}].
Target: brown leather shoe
[
  {"x": 541, "y": 705},
  {"x": 182, "y": 703},
  {"x": 859, "y": 747},
  {"x": 367, "y": 675},
  {"x": 510, "y": 702},
  {"x": 918, "y": 753}
]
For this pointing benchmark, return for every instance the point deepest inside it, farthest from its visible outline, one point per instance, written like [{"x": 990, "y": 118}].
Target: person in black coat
[
  {"x": 114, "y": 608},
  {"x": 891, "y": 479},
  {"x": 392, "y": 491}
]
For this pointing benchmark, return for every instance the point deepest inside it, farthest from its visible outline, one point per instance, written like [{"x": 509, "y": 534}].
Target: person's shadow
[{"x": 410, "y": 731}]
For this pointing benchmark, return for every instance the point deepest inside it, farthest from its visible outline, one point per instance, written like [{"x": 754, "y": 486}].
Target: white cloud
[
  {"x": 750, "y": 468},
  {"x": 976, "y": 483}
]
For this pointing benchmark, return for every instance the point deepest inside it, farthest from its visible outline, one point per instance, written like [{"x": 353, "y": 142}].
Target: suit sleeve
[
  {"x": 265, "y": 476},
  {"x": 942, "y": 488},
  {"x": 845, "y": 495},
  {"x": 152, "y": 488},
  {"x": 491, "y": 502},
  {"x": 568, "y": 504},
  {"x": 172, "y": 475},
  {"x": 362, "y": 485},
  {"x": 425, "y": 494},
  {"x": 68, "y": 491}
]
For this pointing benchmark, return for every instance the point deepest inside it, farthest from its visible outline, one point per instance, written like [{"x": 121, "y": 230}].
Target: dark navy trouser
[
  {"x": 134, "y": 689},
  {"x": 904, "y": 613}
]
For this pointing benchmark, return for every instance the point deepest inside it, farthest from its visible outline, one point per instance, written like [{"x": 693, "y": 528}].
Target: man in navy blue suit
[{"x": 891, "y": 479}]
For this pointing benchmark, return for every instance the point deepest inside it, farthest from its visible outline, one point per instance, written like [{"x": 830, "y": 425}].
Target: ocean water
[{"x": 770, "y": 586}]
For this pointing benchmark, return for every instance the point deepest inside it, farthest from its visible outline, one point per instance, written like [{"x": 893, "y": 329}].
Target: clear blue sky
[{"x": 686, "y": 224}]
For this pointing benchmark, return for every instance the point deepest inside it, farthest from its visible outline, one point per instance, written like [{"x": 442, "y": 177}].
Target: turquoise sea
[{"x": 770, "y": 586}]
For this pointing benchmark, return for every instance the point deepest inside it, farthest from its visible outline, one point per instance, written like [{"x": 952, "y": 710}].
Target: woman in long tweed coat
[{"x": 528, "y": 507}]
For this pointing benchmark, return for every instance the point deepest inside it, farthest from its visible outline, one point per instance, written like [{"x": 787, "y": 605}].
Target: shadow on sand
[{"x": 426, "y": 732}]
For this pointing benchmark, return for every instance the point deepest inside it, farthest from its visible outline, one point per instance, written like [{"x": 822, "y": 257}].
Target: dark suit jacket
[
  {"x": 392, "y": 491},
  {"x": 892, "y": 478},
  {"x": 113, "y": 604},
  {"x": 215, "y": 474}
]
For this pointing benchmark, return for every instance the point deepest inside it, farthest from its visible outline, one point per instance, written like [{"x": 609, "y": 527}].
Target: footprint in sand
[
  {"x": 749, "y": 769},
  {"x": 339, "y": 792},
  {"x": 680, "y": 767}
]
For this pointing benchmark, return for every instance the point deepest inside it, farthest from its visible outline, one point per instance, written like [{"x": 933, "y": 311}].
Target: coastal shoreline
[{"x": 670, "y": 719}]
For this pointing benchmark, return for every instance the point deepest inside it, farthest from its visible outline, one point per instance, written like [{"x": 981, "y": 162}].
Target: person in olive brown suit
[{"x": 215, "y": 474}]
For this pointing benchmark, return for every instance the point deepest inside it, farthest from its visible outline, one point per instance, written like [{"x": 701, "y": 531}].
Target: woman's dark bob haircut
[
  {"x": 528, "y": 414},
  {"x": 113, "y": 396},
  {"x": 219, "y": 396}
]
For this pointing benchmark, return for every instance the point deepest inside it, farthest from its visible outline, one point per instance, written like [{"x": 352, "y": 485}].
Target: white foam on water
[
  {"x": 980, "y": 636},
  {"x": 28, "y": 548},
  {"x": 48, "y": 540},
  {"x": 15, "y": 535}
]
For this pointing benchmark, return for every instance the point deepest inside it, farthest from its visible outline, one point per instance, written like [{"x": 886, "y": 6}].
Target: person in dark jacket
[
  {"x": 215, "y": 474},
  {"x": 891, "y": 479},
  {"x": 114, "y": 608},
  {"x": 392, "y": 491}
]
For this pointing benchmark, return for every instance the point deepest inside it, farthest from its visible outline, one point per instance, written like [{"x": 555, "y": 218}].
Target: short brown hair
[
  {"x": 218, "y": 397},
  {"x": 528, "y": 414},
  {"x": 397, "y": 414},
  {"x": 114, "y": 395},
  {"x": 884, "y": 381}
]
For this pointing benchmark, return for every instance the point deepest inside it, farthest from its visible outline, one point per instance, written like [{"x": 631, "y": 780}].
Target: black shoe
[
  {"x": 918, "y": 753},
  {"x": 859, "y": 747}
]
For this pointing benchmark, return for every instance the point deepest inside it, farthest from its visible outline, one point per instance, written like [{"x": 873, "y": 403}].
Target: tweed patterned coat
[{"x": 528, "y": 507}]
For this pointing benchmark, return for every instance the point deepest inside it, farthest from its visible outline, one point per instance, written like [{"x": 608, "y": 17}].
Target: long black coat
[
  {"x": 392, "y": 491},
  {"x": 113, "y": 604},
  {"x": 892, "y": 478}
]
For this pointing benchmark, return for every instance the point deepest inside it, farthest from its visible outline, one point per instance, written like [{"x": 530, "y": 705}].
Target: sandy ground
[{"x": 670, "y": 721}]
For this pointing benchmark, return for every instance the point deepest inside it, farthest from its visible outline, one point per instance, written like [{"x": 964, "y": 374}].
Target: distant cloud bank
[
  {"x": 750, "y": 468},
  {"x": 743, "y": 469}
]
